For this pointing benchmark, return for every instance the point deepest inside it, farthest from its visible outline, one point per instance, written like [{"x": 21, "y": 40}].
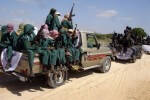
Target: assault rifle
[{"x": 71, "y": 13}]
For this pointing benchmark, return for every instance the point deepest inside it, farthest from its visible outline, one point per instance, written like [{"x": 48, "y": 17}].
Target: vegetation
[
  {"x": 139, "y": 32},
  {"x": 104, "y": 38}
]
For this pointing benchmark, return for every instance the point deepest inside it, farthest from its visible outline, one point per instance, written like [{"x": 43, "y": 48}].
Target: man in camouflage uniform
[
  {"x": 3, "y": 30},
  {"x": 9, "y": 41},
  {"x": 66, "y": 24},
  {"x": 52, "y": 20},
  {"x": 25, "y": 44},
  {"x": 48, "y": 54},
  {"x": 74, "y": 55}
]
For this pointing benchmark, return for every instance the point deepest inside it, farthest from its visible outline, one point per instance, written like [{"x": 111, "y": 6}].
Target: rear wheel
[
  {"x": 105, "y": 67},
  {"x": 58, "y": 78},
  {"x": 139, "y": 56},
  {"x": 133, "y": 59}
]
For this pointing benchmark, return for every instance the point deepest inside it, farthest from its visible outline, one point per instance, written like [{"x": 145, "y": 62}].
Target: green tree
[{"x": 139, "y": 32}]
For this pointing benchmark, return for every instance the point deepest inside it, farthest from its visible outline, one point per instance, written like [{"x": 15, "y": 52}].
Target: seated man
[
  {"x": 75, "y": 53},
  {"x": 3, "y": 30},
  {"x": 46, "y": 47},
  {"x": 60, "y": 44},
  {"x": 25, "y": 44},
  {"x": 9, "y": 41},
  {"x": 59, "y": 52}
]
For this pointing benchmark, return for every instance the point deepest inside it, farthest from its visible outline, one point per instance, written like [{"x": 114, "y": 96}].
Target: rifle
[{"x": 71, "y": 13}]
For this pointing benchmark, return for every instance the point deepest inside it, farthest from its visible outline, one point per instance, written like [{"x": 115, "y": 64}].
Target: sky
[{"x": 103, "y": 16}]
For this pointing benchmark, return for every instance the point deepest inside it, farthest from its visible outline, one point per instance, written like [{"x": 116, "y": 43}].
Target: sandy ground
[{"x": 125, "y": 81}]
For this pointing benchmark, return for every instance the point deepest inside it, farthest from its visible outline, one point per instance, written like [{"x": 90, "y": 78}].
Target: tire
[
  {"x": 56, "y": 80},
  {"x": 139, "y": 56},
  {"x": 133, "y": 59},
  {"x": 106, "y": 65}
]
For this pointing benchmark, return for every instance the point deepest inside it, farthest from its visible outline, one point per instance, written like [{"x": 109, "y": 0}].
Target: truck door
[{"x": 90, "y": 51}]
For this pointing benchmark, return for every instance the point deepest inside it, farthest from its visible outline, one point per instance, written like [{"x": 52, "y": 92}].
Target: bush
[
  {"x": 103, "y": 36},
  {"x": 139, "y": 32}
]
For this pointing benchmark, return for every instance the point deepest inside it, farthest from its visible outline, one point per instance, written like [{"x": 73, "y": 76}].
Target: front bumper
[{"x": 18, "y": 75}]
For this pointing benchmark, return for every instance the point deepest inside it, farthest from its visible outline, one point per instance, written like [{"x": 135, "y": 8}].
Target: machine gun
[{"x": 71, "y": 13}]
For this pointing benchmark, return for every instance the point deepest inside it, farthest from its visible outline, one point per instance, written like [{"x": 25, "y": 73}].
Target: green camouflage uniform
[
  {"x": 9, "y": 41},
  {"x": 3, "y": 30},
  {"x": 52, "y": 21},
  {"x": 60, "y": 44},
  {"x": 74, "y": 51},
  {"x": 44, "y": 51},
  {"x": 65, "y": 24},
  {"x": 25, "y": 44}
]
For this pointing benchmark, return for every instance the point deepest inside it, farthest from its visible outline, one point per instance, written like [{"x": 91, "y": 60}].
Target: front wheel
[
  {"x": 57, "y": 79},
  {"x": 106, "y": 64}
]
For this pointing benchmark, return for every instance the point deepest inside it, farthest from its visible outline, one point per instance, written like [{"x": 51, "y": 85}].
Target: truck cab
[{"x": 93, "y": 53}]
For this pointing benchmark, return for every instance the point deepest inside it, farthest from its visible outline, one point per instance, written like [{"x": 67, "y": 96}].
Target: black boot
[
  {"x": 53, "y": 70},
  {"x": 8, "y": 64},
  {"x": 31, "y": 73}
]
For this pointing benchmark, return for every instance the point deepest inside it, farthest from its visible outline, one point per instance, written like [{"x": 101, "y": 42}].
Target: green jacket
[
  {"x": 3, "y": 30},
  {"x": 44, "y": 43},
  {"x": 53, "y": 22},
  {"x": 9, "y": 39},
  {"x": 66, "y": 24},
  {"x": 49, "y": 19},
  {"x": 26, "y": 39},
  {"x": 61, "y": 41}
]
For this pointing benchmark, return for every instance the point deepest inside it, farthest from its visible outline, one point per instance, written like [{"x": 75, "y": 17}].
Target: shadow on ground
[{"x": 15, "y": 86}]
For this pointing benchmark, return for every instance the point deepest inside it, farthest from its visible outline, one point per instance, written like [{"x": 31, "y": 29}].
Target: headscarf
[
  {"x": 54, "y": 34},
  {"x": 28, "y": 29},
  {"x": 21, "y": 28},
  {"x": 66, "y": 17},
  {"x": 45, "y": 26},
  {"x": 45, "y": 33},
  {"x": 10, "y": 27}
]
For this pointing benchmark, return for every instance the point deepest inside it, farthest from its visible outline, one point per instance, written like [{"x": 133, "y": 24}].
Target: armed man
[
  {"x": 66, "y": 24},
  {"x": 127, "y": 41},
  {"x": 75, "y": 53},
  {"x": 52, "y": 20}
]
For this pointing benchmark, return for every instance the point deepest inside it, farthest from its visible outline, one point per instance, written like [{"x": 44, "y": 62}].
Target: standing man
[
  {"x": 66, "y": 24},
  {"x": 52, "y": 20}
]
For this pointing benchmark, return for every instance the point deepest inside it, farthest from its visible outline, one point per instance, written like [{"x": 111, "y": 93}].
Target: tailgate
[{"x": 23, "y": 66}]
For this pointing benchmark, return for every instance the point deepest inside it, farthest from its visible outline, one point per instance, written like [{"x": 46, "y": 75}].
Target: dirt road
[{"x": 124, "y": 81}]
